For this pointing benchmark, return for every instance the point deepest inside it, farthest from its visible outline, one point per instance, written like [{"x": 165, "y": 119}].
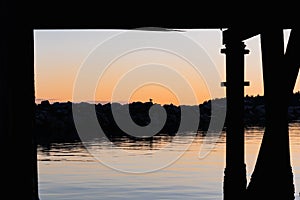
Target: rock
[{"x": 45, "y": 103}]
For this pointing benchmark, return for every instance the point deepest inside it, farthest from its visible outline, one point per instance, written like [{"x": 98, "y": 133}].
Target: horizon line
[{"x": 56, "y": 100}]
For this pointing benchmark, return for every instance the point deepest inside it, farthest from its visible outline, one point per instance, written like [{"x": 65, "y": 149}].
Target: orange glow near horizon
[
  {"x": 157, "y": 93},
  {"x": 146, "y": 74}
]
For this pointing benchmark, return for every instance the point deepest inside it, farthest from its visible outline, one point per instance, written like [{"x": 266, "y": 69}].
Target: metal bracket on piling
[{"x": 224, "y": 84}]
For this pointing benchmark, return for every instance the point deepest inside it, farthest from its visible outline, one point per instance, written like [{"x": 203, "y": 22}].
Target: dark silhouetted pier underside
[
  {"x": 273, "y": 170},
  {"x": 17, "y": 85}
]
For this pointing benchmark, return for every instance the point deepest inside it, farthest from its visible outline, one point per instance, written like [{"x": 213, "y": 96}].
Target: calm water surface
[{"x": 69, "y": 171}]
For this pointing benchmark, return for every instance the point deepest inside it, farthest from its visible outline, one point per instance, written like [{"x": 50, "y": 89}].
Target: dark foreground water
[{"x": 69, "y": 171}]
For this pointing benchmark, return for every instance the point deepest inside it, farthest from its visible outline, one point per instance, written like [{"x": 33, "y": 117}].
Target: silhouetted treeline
[{"x": 54, "y": 122}]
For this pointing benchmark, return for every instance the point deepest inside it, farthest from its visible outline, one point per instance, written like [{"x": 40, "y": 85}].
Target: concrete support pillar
[
  {"x": 18, "y": 162},
  {"x": 272, "y": 176},
  {"x": 235, "y": 172}
]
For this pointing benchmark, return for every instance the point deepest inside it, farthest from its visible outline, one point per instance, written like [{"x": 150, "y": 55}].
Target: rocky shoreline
[{"x": 54, "y": 122}]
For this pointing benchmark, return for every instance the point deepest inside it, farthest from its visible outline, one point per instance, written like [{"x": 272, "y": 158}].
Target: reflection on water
[
  {"x": 69, "y": 171},
  {"x": 64, "y": 152}
]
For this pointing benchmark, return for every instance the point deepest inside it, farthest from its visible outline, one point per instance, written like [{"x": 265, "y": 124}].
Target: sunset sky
[{"x": 125, "y": 66}]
